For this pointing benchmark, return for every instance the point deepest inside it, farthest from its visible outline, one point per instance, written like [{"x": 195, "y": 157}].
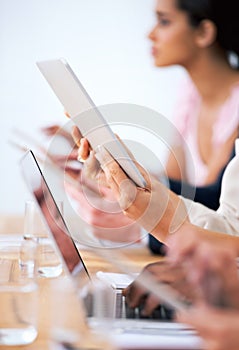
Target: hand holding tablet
[{"x": 85, "y": 114}]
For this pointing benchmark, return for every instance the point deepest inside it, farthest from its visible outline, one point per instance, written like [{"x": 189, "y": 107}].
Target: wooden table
[{"x": 64, "y": 304}]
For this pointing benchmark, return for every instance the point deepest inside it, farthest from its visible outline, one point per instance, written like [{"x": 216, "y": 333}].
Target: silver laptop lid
[{"x": 51, "y": 214}]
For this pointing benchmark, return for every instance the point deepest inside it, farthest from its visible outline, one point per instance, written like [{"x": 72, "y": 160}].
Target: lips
[{"x": 154, "y": 51}]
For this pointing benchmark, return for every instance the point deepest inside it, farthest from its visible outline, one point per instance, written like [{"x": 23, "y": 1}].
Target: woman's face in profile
[{"x": 173, "y": 37}]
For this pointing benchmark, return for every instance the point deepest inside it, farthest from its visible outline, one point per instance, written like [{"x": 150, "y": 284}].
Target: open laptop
[{"x": 126, "y": 333}]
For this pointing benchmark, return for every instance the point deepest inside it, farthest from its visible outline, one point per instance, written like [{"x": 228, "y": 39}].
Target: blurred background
[{"x": 106, "y": 44}]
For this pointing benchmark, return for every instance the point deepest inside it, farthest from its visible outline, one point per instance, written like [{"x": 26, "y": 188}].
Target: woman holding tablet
[{"x": 198, "y": 35}]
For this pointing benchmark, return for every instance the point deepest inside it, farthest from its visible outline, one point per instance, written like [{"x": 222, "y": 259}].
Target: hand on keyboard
[
  {"x": 146, "y": 304},
  {"x": 159, "y": 313}
]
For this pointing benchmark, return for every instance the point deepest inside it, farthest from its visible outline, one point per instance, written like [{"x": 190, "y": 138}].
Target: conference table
[{"x": 57, "y": 303}]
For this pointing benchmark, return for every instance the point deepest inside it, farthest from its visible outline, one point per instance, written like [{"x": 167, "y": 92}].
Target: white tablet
[{"x": 86, "y": 115}]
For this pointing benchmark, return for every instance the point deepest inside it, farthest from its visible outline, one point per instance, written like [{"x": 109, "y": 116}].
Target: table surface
[{"x": 65, "y": 305}]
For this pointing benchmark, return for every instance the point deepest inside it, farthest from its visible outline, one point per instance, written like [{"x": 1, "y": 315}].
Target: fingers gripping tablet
[{"x": 85, "y": 114}]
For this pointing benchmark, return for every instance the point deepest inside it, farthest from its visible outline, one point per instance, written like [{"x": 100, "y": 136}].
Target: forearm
[{"x": 173, "y": 217}]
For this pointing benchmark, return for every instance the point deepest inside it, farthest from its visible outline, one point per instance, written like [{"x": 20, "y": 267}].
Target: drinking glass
[
  {"x": 18, "y": 293},
  {"x": 48, "y": 261}
]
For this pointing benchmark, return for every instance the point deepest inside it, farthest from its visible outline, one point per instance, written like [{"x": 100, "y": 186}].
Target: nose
[{"x": 152, "y": 33}]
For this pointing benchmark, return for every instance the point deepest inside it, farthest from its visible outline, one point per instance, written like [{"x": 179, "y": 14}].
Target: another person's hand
[
  {"x": 103, "y": 214},
  {"x": 185, "y": 243},
  {"x": 55, "y": 129},
  {"x": 211, "y": 269},
  {"x": 51, "y": 130},
  {"x": 163, "y": 271},
  {"x": 207, "y": 274},
  {"x": 219, "y": 328},
  {"x": 67, "y": 162}
]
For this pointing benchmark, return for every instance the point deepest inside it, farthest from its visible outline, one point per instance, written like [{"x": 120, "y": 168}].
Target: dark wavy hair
[{"x": 224, "y": 14}]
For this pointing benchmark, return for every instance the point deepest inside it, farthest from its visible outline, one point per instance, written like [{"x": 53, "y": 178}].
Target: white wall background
[{"x": 105, "y": 41}]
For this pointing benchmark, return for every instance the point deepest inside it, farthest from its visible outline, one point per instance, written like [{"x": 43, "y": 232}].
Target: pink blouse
[{"x": 186, "y": 121}]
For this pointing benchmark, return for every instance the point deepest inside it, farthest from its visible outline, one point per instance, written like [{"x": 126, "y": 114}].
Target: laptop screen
[{"x": 52, "y": 216}]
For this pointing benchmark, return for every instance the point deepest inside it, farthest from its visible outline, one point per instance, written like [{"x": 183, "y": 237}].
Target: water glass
[
  {"x": 49, "y": 264},
  {"x": 18, "y": 293}
]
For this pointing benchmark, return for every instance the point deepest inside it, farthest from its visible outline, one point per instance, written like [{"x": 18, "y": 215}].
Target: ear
[{"x": 206, "y": 33}]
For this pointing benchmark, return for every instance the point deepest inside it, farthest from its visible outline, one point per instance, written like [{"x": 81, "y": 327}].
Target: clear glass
[
  {"x": 18, "y": 294},
  {"x": 48, "y": 261}
]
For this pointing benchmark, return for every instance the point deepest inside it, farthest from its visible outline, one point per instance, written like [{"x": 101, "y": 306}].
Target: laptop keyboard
[
  {"x": 124, "y": 311},
  {"x": 118, "y": 281}
]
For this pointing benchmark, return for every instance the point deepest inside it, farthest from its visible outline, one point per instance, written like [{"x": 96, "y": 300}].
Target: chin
[{"x": 161, "y": 64}]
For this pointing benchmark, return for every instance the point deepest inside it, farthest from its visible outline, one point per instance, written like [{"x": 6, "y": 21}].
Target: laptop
[{"x": 126, "y": 333}]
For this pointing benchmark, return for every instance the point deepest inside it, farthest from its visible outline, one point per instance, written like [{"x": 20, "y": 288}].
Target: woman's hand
[{"x": 155, "y": 208}]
